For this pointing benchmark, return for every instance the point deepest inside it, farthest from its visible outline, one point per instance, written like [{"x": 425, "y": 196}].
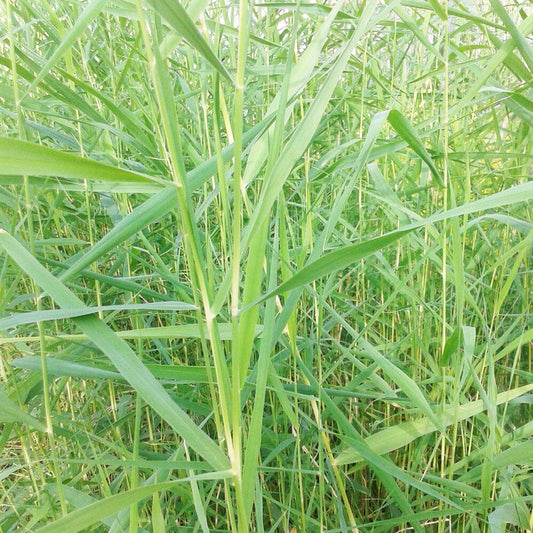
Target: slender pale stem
[
  {"x": 236, "y": 259},
  {"x": 28, "y": 201}
]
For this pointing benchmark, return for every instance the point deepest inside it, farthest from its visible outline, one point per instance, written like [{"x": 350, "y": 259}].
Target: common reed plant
[{"x": 264, "y": 266}]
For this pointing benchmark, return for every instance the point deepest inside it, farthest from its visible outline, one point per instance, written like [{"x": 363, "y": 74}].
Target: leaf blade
[{"x": 24, "y": 158}]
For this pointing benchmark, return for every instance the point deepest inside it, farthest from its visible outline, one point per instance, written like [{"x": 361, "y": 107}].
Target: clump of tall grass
[{"x": 264, "y": 266}]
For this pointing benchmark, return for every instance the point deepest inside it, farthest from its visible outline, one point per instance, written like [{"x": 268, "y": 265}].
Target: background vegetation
[{"x": 264, "y": 266}]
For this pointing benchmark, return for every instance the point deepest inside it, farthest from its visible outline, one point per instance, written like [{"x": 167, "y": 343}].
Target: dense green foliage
[{"x": 264, "y": 266}]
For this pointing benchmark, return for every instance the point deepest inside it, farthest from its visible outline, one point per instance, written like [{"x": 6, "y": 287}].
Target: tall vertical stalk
[
  {"x": 236, "y": 259},
  {"x": 229, "y": 396},
  {"x": 444, "y": 244}
]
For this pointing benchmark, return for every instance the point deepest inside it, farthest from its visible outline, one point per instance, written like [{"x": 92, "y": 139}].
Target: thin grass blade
[
  {"x": 92, "y": 514},
  {"x": 393, "y": 438},
  {"x": 11, "y": 412},
  {"x": 411, "y": 137},
  {"x": 57, "y": 314},
  {"x": 339, "y": 259},
  {"x": 91, "y": 11}
]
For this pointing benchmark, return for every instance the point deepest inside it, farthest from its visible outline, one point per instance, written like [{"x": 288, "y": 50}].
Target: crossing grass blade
[
  {"x": 156, "y": 207},
  {"x": 91, "y": 514},
  {"x": 11, "y": 412},
  {"x": 184, "y": 331},
  {"x": 395, "y": 437},
  {"x": 385, "y": 469},
  {"x": 62, "y": 367},
  {"x": 301, "y": 137},
  {"x": 491, "y": 65},
  {"x": 57, "y": 314},
  {"x": 384, "y": 385},
  {"x": 520, "y": 39},
  {"x": 411, "y": 137},
  {"x": 56, "y": 367},
  {"x": 88, "y": 15},
  {"x": 300, "y": 74},
  {"x": 122, "y": 356}
]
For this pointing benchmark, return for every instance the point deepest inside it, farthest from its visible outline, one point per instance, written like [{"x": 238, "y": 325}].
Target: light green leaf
[
  {"x": 58, "y": 367},
  {"x": 23, "y": 158},
  {"x": 158, "y": 520},
  {"x": 57, "y": 314},
  {"x": 163, "y": 332},
  {"x": 406, "y": 131},
  {"x": 396, "y": 437},
  {"x": 91, "y": 514},
  {"x": 300, "y": 74},
  {"x": 92, "y": 10},
  {"x": 519, "y": 38},
  {"x": 348, "y": 255},
  {"x": 439, "y": 10},
  {"x": 11, "y": 412},
  {"x": 299, "y": 141},
  {"x": 61, "y": 367}
]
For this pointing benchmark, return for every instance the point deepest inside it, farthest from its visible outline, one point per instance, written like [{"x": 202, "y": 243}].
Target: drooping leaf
[
  {"x": 21, "y": 158},
  {"x": 57, "y": 314},
  {"x": 400, "y": 435},
  {"x": 83, "y": 518},
  {"x": 176, "y": 15},
  {"x": 451, "y": 347},
  {"x": 91, "y": 11},
  {"x": 11, "y": 412},
  {"x": 409, "y": 134}
]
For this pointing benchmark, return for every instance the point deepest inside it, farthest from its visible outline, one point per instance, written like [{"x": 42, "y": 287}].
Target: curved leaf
[
  {"x": 96, "y": 512},
  {"x": 395, "y": 437},
  {"x": 56, "y": 314}
]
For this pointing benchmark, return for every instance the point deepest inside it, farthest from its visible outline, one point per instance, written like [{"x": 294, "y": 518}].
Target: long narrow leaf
[
  {"x": 68, "y": 40},
  {"x": 23, "y": 158},
  {"x": 392, "y": 438},
  {"x": 406, "y": 131},
  {"x": 520, "y": 39},
  {"x": 299, "y": 141},
  {"x": 348, "y": 255},
  {"x": 156, "y": 207},
  {"x": 60, "y": 367},
  {"x": 11, "y": 412},
  {"x": 56, "y": 314},
  {"x": 91, "y": 514}
]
